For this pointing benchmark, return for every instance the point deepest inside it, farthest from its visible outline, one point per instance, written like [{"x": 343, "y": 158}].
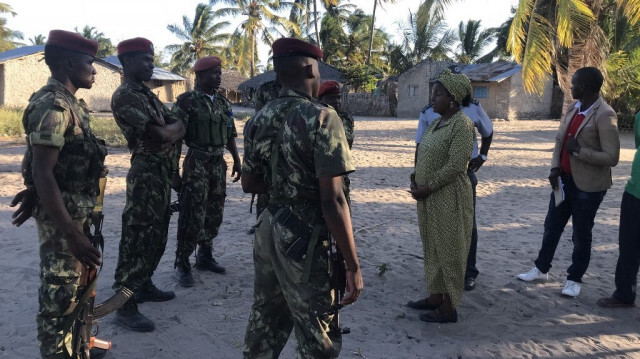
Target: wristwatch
[
  {"x": 484, "y": 157},
  {"x": 575, "y": 153}
]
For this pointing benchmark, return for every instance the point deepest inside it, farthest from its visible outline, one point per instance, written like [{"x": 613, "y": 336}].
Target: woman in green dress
[{"x": 445, "y": 200}]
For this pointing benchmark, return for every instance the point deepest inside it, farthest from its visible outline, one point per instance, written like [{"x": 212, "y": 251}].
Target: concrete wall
[
  {"x": 167, "y": 91},
  {"x": 496, "y": 105},
  {"x": 523, "y": 105},
  {"x": 25, "y": 75},
  {"x": 410, "y": 102}
]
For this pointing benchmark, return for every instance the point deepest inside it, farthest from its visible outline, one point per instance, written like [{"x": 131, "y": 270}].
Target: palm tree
[
  {"x": 373, "y": 21},
  {"x": 38, "y": 40},
  {"x": 105, "y": 47},
  {"x": 430, "y": 40},
  {"x": 8, "y": 36},
  {"x": 472, "y": 40},
  {"x": 202, "y": 37},
  {"x": 260, "y": 19}
]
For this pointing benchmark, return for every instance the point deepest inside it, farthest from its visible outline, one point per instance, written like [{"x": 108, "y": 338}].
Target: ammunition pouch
[
  {"x": 80, "y": 164},
  {"x": 207, "y": 128}
]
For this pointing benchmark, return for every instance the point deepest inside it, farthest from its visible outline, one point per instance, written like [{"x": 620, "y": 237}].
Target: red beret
[
  {"x": 206, "y": 63},
  {"x": 72, "y": 41},
  {"x": 329, "y": 88},
  {"x": 287, "y": 46},
  {"x": 137, "y": 44}
]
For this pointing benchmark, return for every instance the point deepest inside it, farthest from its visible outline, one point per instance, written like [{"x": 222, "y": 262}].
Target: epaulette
[
  {"x": 185, "y": 100},
  {"x": 426, "y": 108}
]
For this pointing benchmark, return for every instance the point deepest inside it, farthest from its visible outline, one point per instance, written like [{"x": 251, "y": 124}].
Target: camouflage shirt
[
  {"x": 208, "y": 120},
  {"x": 266, "y": 92},
  {"x": 312, "y": 145},
  {"x": 55, "y": 117},
  {"x": 134, "y": 108},
  {"x": 349, "y": 125}
]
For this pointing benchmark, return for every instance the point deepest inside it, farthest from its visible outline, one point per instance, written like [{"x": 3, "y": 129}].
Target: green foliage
[
  {"x": 38, "y": 40},
  {"x": 107, "y": 129},
  {"x": 201, "y": 37},
  {"x": 472, "y": 40},
  {"x": 8, "y": 37},
  {"x": 383, "y": 269},
  {"x": 105, "y": 47},
  {"x": 11, "y": 121},
  {"x": 362, "y": 77}
]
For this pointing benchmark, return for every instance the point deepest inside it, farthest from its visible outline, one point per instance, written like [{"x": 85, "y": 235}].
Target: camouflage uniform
[
  {"x": 80, "y": 161},
  {"x": 145, "y": 218},
  {"x": 267, "y": 92},
  {"x": 313, "y": 144},
  {"x": 349, "y": 125},
  {"x": 210, "y": 125}
]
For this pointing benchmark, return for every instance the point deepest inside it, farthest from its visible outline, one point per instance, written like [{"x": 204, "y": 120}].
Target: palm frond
[
  {"x": 517, "y": 40},
  {"x": 538, "y": 54},
  {"x": 573, "y": 18}
]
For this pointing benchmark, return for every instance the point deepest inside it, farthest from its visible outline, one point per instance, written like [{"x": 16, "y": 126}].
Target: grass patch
[
  {"x": 11, "y": 121},
  {"x": 242, "y": 116},
  {"x": 107, "y": 129}
]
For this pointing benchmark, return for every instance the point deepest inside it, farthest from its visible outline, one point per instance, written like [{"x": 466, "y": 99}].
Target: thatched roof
[
  {"x": 231, "y": 80},
  {"x": 327, "y": 72}
]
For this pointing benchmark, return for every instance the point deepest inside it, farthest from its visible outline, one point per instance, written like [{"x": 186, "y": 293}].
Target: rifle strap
[{"x": 315, "y": 234}]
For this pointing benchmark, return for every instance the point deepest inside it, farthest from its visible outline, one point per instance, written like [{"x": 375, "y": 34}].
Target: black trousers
[
  {"x": 472, "y": 271},
  {"x": 629, "y": 240},
  {"x": 581, "y": 207}
]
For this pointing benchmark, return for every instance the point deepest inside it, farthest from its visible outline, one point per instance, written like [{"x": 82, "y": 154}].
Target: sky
[{"x": 123, "y": 19}]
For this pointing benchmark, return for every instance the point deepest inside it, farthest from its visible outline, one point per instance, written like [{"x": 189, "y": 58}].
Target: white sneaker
[
  {"x": 571, "y": 288},
  {"x": 533, "y": 274}
]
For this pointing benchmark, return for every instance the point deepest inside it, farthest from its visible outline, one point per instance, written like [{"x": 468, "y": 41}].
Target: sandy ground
[{"x": 501, "y": 318}]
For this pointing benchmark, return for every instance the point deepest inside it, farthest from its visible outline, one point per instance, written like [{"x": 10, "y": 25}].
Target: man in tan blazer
[{"x": 587, "y": 146}]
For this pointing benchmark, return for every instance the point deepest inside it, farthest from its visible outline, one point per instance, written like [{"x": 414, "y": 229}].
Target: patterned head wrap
[{"x": 457, "y": 84}]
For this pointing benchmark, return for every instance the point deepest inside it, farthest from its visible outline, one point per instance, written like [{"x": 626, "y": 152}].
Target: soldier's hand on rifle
[
  {"x": 82, "y": 250},
  {"x": 236, "y": 171},
  {"x": 354, "y": 286},
  {"x": 27, "y": 200}
]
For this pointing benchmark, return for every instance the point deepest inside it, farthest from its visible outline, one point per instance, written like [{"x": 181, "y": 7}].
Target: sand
[{"x": 501, "y": 318}]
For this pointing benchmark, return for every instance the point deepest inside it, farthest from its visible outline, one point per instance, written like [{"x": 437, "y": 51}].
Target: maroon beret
[
  {"x": 329, "y": 88},
  {"x": 206, "y": 63},
  {"x": 72, "y": 41},
  {"x": 137, "y": 44},
  {"x": 287, "y": 46}
]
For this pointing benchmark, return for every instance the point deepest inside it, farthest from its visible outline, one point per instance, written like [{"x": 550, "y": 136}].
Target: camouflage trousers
[
  {"x": 261, "y": 203},
  {"x": 204, "y": 188},
  {"x": 145, "y": 225},
  {"x": 59, "y": 279},
  {"x": 283, "y": 302}
]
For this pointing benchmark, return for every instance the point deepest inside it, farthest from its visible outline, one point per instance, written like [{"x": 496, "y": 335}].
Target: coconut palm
[
  {"x": 38, "y": 40},
  {"x": 8, "y": 37},
  {"x": 373, "y": 21},
  {"x": 202, "y": 37},
  {"x": 260, "y": 20},
  {"x": 472, "y": 40},
  {"x": 105, "y": 47},
  {"x": 427, "y": 38}
]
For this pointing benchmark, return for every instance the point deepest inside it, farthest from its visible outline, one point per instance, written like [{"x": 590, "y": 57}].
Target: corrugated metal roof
[
  {"x": 158, "y": 72},
  {"x": 327, "y": 72},
  {"x": 490, "y": 72},
  {"x": 19, "y": 52}
]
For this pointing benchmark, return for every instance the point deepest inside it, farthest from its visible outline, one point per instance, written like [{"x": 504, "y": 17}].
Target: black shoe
[
  {"x": 183, "y": 273},
  {"x": 469, "y": 283},
  {"x": 422, "y": 304},
  {"x": 150, "y": 293},
  {"x": 129, "y": 317},
  {"x": 205, "y": 261},
  {"x": 97, "y": 353}
]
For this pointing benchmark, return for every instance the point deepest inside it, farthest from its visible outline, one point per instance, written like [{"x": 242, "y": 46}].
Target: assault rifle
[
  {"x": 339, "y": 286},
  {"x": 81, "y": 321}
]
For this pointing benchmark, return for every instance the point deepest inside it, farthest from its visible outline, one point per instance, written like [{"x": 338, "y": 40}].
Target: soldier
[
  {"x": 63, "y": 164},
  {"x": 210, "y": 129},
  {"x": 330, "y": 94},
  {"x": 151, "y": 132},
  {"x": 303, "y": 174},
  {"x": 267, "y": 92}
]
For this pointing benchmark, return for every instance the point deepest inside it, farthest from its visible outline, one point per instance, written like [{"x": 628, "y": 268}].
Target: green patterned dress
[{"x": 445, "y": 217}]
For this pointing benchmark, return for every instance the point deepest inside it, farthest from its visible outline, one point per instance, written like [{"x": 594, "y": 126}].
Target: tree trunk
[
  {"x": 315, "y": 18},
  {"x": 373, "y": 23},
  {"x": 253, "y": 49}
]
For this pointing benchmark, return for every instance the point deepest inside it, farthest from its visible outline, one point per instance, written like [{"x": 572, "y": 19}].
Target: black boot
[
  {"x": 205, "y": 261},
  {"x": 129, "y": 317},
  {"x": 183, "y": 273},
  {"x": 97, "y": 353},
  {"x": 150, "y": 293}
]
